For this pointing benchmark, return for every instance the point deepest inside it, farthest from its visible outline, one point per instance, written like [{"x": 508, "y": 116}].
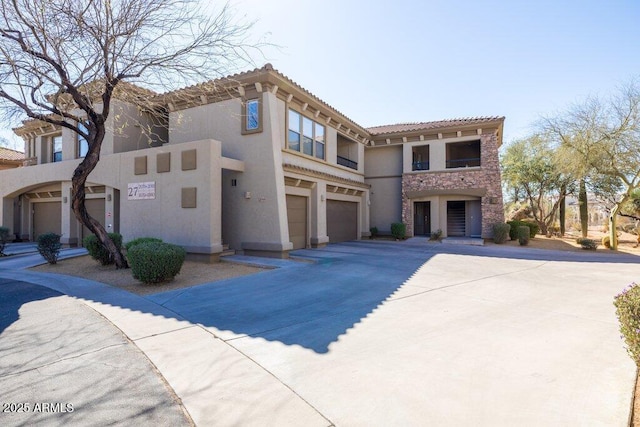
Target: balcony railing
[
  {"x": 30, "y": 161},
  {"x": 420, "y": 166},
  {"x": 463, "y": 163},
  {"x": 343, "y": 161}
]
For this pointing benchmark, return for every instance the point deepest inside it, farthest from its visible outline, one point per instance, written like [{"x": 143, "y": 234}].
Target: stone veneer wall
[{"x": 487, "y": 179}]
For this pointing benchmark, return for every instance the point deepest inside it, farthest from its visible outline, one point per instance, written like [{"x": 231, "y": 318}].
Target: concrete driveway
[
  {"x": 391, "y": 333},
  {"x": 412, "y": 333}
]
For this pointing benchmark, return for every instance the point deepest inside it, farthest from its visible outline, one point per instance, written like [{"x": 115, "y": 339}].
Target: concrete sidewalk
[
  {"x": 389, "y": 333},
  {"x": 62, "y": 363}
]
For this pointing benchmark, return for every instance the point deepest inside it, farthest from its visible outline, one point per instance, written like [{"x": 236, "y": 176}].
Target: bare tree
[
  {"x": 604, "y": 136},
  {"x": 64, "y": 61}
]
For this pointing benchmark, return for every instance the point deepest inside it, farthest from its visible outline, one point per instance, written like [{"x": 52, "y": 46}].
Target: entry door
[
  {"x": 456, "y": 221},
  {"x": 474, "y": 220},
  {"x": 95, "y": 208},
  {"x": 422, "y": 218}
]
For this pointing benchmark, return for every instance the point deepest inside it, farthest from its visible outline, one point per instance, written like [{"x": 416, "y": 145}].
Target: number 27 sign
[{"x": 141, "y": 190}]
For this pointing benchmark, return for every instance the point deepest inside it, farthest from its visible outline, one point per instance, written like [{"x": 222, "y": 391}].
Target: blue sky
[{"x": 383, "y": 62}]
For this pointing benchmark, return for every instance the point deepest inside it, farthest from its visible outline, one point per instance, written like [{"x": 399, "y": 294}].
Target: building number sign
[{"x": 141, "y": 190}]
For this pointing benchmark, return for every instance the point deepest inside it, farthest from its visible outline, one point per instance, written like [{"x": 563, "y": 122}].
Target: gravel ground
[{"x": 192, "y": 273}]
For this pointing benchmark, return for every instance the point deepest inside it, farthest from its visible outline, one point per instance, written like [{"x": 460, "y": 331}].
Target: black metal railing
[
  {"x": 420, "y": 166},
  {"x": 343, "y": 161},
  {"x": 463, "y": 163}
]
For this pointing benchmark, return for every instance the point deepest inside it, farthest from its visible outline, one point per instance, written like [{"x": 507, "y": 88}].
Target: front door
[{"x": 422, "y": 218}]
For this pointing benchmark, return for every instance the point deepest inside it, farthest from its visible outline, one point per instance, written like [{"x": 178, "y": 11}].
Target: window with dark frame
[{"x": 56, "y": 143}]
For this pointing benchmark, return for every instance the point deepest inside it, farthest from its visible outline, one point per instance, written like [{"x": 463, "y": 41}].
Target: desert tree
[
  {"x": 531, "y": 168},
  {"x": 63, "y": 62},
  {"x": 604, "y": 136}
]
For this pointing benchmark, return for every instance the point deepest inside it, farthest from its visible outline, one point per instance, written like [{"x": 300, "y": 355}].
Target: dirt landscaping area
[
  {"x": 627, "y": 243},
  {"x": 191, "y": 274}
]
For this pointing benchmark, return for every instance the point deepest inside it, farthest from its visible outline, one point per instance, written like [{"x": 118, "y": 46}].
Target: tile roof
[
  {"x": 8, "y": 154},
  {"x": 410, "y": 127}
]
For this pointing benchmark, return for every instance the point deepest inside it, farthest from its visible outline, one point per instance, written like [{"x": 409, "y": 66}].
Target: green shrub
[
  {"x": 524, "y": 235},
  {"x": 436, "y": 235},
  {"x": 513, "y": 232},
  {"x": 4, "y": 238},
  {"x": 500, "y": 232},
  {"x": 154, "y": 262},
  {"x": 98, "y": 251},
  {"x": 606, "y": 242},
  {"x": 588, "y": 244},
  {"x": 49, "y": 247},
  {"x": 374, "y": 232},
  {"x": 139, "y": 240},
  {"x": 398, "y": 230},
  {"x": 627, "y": 305}
]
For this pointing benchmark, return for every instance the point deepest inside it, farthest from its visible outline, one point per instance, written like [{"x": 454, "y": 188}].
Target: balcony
[
  {"x": 343, "y": 161},
  {"x": 463, "y": 163},
  {"x": 420, "y": 166}
]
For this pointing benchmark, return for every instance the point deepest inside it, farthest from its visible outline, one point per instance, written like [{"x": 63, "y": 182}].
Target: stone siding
[{"x": 484, "y": 181}]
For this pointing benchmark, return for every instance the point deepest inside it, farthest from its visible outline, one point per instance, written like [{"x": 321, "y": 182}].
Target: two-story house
[{"x": 260, "y": 163}]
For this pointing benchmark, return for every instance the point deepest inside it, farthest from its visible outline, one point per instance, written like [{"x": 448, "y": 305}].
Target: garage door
[
  {"x": 95, "y": 208},
  {"x": 297, "y": 218},
  {"x": 47, "y": 218},
  {"x": 342, "y": 221}
]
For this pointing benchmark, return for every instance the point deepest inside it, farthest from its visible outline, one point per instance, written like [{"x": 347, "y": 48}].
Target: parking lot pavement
[{"x": 61, "y": 363}]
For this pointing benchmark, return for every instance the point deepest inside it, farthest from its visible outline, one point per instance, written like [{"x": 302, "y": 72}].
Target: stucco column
[
  {"x": 70, "y": 225},
  {"x": 364, "y": 216},
  {"x": 318, "y": 231}
]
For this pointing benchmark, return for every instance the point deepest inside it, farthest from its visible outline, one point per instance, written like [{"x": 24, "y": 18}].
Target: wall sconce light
[
  {"x": 322, "y": 197},
  {"x": 64, "y": 199},
  {"x": 108, "y": 197},
  {"x": 247, "y": 194}
]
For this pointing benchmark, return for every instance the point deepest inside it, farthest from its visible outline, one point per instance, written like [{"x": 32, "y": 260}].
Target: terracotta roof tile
[
  {"x": 410, "y": 127},
  {"x": 8, "y": 154}
]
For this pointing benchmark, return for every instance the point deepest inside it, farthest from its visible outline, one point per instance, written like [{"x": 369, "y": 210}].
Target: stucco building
[{"x": 257, "y": 162}]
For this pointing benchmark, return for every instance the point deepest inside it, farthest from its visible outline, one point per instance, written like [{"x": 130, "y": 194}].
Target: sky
[{"x": 399, "y": 61}]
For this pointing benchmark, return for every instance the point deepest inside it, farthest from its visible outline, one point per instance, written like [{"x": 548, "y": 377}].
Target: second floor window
[
  {"x": 57, "y": 148},
  {"x": 305, "y": 135},
  {"x": 83, "y": 145},
  {"x": 463, "y": 154}
]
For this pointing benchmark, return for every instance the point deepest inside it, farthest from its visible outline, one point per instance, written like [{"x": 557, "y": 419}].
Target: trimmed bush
[
  {"x": 533, "y": 228},
  {"x": 155, "y": 262},
  {"x": 398, "y": 230},
  {"x": 588, "y": 244},
  {"x": 500, "y": 232},
  {"x": 523, "y": 235},
  {"x": 374, "y": 232},
  {"x": 49, "y": 247},
  {"x": 627, "y": 305},
  {"x": 98, "y": 251},
  {"x": 606, "y": 242},
  {"x": 4, "y": 238},
  {"x": 139, "y": 240},
  {"x": 436, "y": 235}
]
